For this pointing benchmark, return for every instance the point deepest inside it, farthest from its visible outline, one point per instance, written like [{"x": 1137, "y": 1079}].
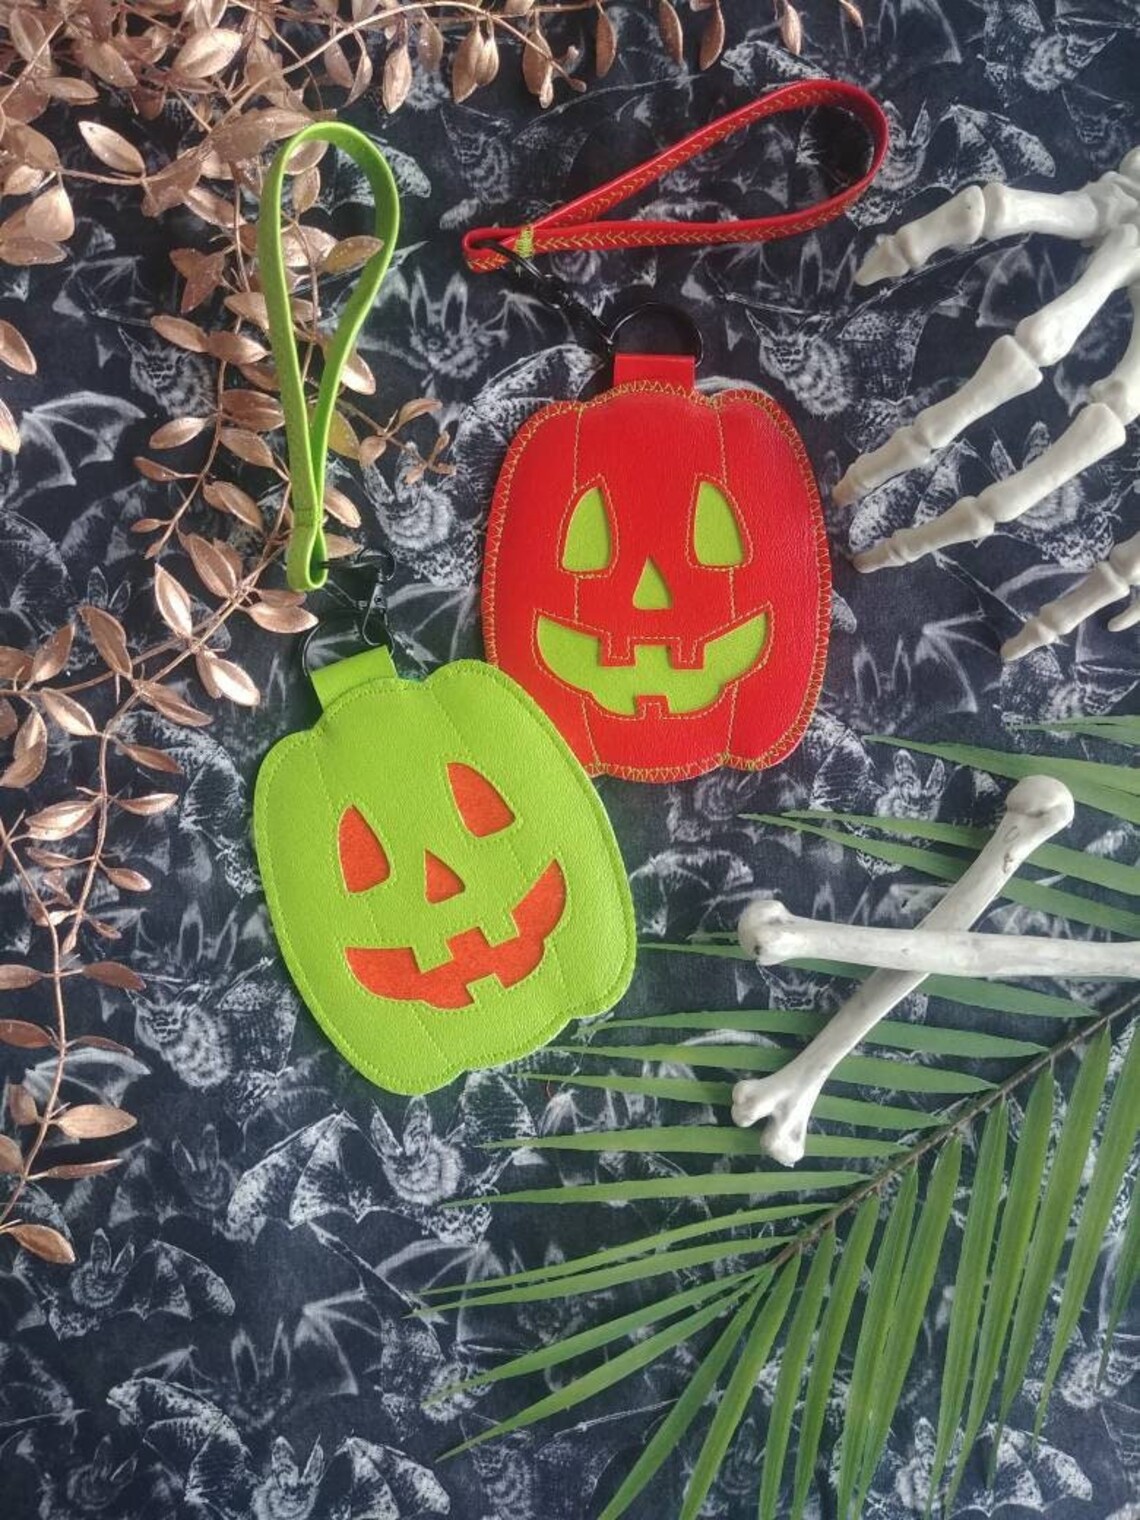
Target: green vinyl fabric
[{"x": 382, "y": 771}]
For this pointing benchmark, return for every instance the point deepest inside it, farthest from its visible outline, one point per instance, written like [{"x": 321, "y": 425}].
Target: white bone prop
[
  {"x": 1105, "y": 213},
  {"x": 1106, "y": 582},
  {"x": 772, "y": 935},
  {"x": 1035, "y": 810}
]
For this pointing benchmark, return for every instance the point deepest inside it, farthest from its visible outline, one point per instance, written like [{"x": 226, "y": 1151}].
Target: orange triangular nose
[{"x": 440, "y": 881}]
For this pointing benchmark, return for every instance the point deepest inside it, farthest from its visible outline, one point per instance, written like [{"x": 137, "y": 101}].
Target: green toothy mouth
[{"x": 576, "y": 658}]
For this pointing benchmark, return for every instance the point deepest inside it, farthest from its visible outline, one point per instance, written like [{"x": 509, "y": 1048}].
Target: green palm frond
[{"x": 838, "y": 1258}]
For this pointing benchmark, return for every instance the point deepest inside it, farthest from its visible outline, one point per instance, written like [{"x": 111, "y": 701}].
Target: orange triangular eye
[
  {"x": 440, "y": 881},
  {"x": 479, "y": 804},
  {"x": 362, "y": 858}
]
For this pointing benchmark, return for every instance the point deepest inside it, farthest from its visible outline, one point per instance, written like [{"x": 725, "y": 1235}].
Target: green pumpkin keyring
[
  {"x": 308, "y": 436},
  {"x": 441, "y": 876}
]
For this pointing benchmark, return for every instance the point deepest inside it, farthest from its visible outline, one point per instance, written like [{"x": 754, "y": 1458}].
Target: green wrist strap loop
[{"x": 307, "y": 436}]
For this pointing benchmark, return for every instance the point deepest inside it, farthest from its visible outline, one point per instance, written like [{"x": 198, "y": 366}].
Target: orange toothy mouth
[{"x": 396, "y": 973}]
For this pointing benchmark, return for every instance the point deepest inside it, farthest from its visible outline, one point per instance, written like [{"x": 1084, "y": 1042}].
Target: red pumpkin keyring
[{"x": 656, "y": 572}]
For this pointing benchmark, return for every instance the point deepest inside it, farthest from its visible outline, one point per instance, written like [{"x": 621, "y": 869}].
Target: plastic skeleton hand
[{"x": 1106, "y": 214}]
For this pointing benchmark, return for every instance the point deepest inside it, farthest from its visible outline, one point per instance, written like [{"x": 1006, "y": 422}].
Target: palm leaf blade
[
  {"x": 684, "y": 1410},
  {"x": 593, "y": 1338},
  {"x": 828, "y": 1346},
  {"x": 682, "y": 1185},
  {"x": 1127, "y": 1276},
  {"x": 1009, "y": 1258},
  {"x": 1054, "y": 1214},
  {"x": 690, "y": 1139},
  {"x": 885, "y": 1277},
  {"x": 730, "y": 1410},
  {"x": 910, "y": 1306},
  {"x": 1120, "y": 1131},
  {"x": 969, "y": 1286},
  {"x": 792, "y": 1364},
  {"x": 606, "y": 1375}
]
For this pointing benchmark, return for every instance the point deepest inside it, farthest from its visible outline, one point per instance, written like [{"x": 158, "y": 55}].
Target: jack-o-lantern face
[
  {"x": 444, "y": 884},
  {"x": 657, "y": 575}
]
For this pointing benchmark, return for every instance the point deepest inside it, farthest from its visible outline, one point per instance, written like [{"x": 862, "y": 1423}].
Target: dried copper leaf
[
  {"x": 605, "y": 44},
  {"x": 9, "y": 722},
  {"x": 712, "y": 38},
  {"x": 21, "y": 1105},
  {"x": 464, "y": 65},
  {"x": 232, "y": 681},
  {"x": 114, "y": 974},
  {"x": 213, "y": 567},
  {"x": 13, "y": 976},
  {"x": 247, "y": 446},
  {"x": 338, "y": 505},
  {"x": 342, "y": 438},
  {"x": 339, "y": 547},
  {"x": 250, "y": 304},
  {"x": 253, "y": 410},
  {"x": 410, "y": 410},
  {"x": 181, "y": 333},
  {"x": 27, "y": 32},
  {"x": 112, "y": 148},
  {"x": 9, "y": 430},
  {"x": 42, "y": 1241},
  {"x": 153, "y": 470},
  {"x": 235, "y": 348},
  {"x": 94, "y": 1121},
  {"x": 76, "y": 92},
  {"x": 105, "y": 60},
  {"x": 148, "y": 806},
  {"x": 337, "y": 65},
  {"x": 70, "y": 1171},
  {"x": 397, "y": 77},
  {"x": 29, "y": 753},
  {"x": 429, "y": 44},
  {"x": 537, "y": 65},
  {"x": 109, "y": 638},
  {"x": 487, "y": 66},
  {"x": 251, "y": 133},
  {"x": 669, "y": 25},
  {"x": 282, "y": 619},
  {"x": 852, "y": 12},
  {"x": 172, "y": 435},
  {"x": 173, "y": 603},
  {"x": 52, "y": 656},
  {"x": 207, "y": 53},
  {"x": 371, "y": 449},
  {"x": 791, "y": 28},
  {"x": 127, "y": 880},
  {"x": 100, "y": 1042},
  {"x": 14, "y": 351},
  {"x": 50, "y": 216},
  {"x": 23, "y": 1035},
  {"x": 62, "y": 819},
  {"x": 227, "y": 497},
  {"x": 350, "y": 253},
  {"x": 31, "y": 147},
  {"x": 71, "y": 715},
  {"x": 152, "y": 759},
  {"x": 171, "y": 706},
  {"x": 11, "y": 1157},
  {"x": 203, "y": 273}
]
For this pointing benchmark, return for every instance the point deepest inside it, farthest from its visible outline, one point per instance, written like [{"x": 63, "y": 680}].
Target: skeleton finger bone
[
  {"x": 1106, "y": 582},
  {"x": 997, "y": 211},
  {"x": 1012, "y": 367},
  {"x": 1036, "y": 809},
  {"x": 772, "y": 935}
]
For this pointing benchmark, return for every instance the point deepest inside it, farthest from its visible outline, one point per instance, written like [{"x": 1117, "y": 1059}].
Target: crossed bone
[{"x": 1035, "y": 810}]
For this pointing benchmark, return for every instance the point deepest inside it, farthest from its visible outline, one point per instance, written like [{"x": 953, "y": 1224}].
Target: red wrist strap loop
[{"x": 576, "y": 225}]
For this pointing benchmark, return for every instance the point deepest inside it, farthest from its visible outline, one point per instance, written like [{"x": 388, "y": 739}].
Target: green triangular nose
[{"x": 651, "y": 592}]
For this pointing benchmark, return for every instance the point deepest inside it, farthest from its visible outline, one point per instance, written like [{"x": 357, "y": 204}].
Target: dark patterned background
[{"x": 234, "y": 1340}]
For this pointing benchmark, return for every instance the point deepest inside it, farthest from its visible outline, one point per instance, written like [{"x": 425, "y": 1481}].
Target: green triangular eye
[
  {"x": 588, "y": 543},
  {"x": 717, "y": 539},
  {"x": 652, "y": 592}
]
